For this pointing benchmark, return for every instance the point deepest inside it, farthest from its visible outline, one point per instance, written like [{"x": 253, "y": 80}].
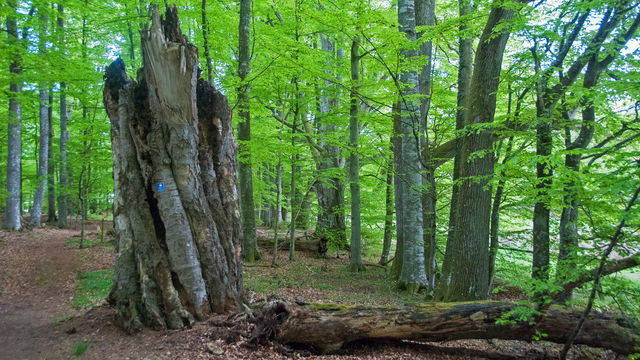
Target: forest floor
[{"x": 41, "y": 316}]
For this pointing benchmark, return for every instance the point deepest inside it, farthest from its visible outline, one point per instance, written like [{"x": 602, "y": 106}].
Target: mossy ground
[{"x": 91, "y": 288}]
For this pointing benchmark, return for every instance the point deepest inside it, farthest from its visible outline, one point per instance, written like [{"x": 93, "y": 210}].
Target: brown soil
[{"x": 37, "y": 280}]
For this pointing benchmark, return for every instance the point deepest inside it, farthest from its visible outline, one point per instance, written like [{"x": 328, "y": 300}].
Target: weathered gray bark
[
  {"x": 425, "y": 16},
  {"x": 388, "y": 215},
  {"x": 175, "y": 208},
  {"x": 355, "y": 261},
  {"x": 331, "y": 226},
  {"x": 51, "y": 185},
  {"x": 316, "y": 325},
  {"x": 396, "y": 146},
  {"x": 412, "y": 275},
  {"x": 43, "y": 156},
  {"x": 247, "y": 208},
  {"x": 465, "y": 266},
  {"x": 63, "y": 188},
  {"x": 12, "y": 220}
]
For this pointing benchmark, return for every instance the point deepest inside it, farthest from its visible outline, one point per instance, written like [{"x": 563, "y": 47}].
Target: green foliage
[
  {"x": 80, "y": 348},
  {"x": 91, "y": 288},
  {"x": 292, "y": 73}
]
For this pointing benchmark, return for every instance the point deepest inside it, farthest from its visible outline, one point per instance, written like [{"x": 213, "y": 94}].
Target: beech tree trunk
[
  {"x": 175, "y": 208},
  {"x": 466, "y": 263},
  {"x": 12, "y": 219},
  {"x": 410, "y": 217},
  {"x": 43, "y": 156},
  {"x": 326, "y": 327},
  {"x": 63, "y": 183},
  {"x": 247, "y": 207}
]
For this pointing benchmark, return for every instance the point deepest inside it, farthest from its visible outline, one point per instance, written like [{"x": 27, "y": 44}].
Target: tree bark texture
[
  {"x": 465, "y": 69},
  {"x": 51, "y": 185},
  {"x": 43, "y": 156},
  {"x": 355, "y": 261},
  {"x": 465, "y": 266},
  {"x": 327, "y": 327},
  {"x": 412, "y": 274},
  {"x": 63, "y": 183},
  {"x": 388, "y": 215},
  {"x": 12, "y": 220},
  {"x": 176, "y": 208},
  {"x": 425, "y": 16},
  {"x": 247, "y": 208}
]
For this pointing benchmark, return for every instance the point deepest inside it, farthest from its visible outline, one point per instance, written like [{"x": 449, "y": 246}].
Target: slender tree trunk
[
  {"x": 205, "y": 37},
  {"x": 12, "y": 219},
  {"x": 51, "y": 186},
  {"x": 277, "y": 214},
  {"x": 465, "y": 266},
  {"x": 412, "y": 275},
  {"x": 63, "y": 189},
  {"x": 250, "y": 250},
  {"x": 494, "y": 241},
  {"x": 43, "y": 164},
  {"x": 425, "y": 16},
  {"x": 396, "y": 145},
  {"x": 569, "y": 219},
  {"x": 355, "y": 262},
  {"x": 388, "y": 216},
  {"x": 175, "y": 206}
]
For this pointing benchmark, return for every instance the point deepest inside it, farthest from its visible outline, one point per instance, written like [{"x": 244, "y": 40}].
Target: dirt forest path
[{"x": 37, "y": 280}]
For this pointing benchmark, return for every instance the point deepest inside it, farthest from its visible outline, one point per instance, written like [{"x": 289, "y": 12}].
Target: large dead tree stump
[
  {"x": 175, "y": 207},
  {"x": 326, "y": 327}
]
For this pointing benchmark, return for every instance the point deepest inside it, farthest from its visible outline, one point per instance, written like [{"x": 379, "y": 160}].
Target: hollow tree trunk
[
  {"x": 175, "y": 208},
  {"x": 326, "y": 327}
]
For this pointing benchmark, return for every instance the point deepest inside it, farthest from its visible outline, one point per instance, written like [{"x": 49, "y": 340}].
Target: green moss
[
  {"x": 91, "y": 288},
  {"x": 80, "y": 348},
  {"x": 330, "y": 307}
]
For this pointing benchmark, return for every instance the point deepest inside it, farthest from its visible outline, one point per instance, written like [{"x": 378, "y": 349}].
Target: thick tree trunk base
[
  {"x": 175, "y": 206},
  {"x": 327, "y": 328}
]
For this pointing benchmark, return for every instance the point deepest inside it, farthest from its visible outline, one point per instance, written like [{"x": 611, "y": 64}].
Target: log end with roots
[
  {"x": 327, "y": 328},
  {"x": 175, "y": 206}
]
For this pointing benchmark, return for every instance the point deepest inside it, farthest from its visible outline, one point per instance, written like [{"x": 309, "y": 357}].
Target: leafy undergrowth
[
  {"x": 318, "y": 279},
  {"x": 89, "y": 241},
  {"x": 92, "y": 287}
]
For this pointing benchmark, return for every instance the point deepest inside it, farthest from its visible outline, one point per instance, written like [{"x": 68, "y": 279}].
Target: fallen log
[
  {"x": 326, "y": 327},
  {"x": 305, "y": 240}
]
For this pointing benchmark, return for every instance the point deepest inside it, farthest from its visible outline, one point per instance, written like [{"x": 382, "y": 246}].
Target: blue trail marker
[{"x": 160, "y": 186}]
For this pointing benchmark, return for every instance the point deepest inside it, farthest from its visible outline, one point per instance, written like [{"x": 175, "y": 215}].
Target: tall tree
[
  {"x": 355, "y": 262},
  {"x": 412, "y": 275},
  {"x": 63, "y": 190},
  {"x": 175, "y": 207},
  {"x": 331, "y": 226},
  {"x": 43, "y": 158},
  {"x": 425, "y": 16},
  {"x": 569, "y": 218},
  {"x": 51, "y": 185},
  {"x": 465, "y": 266},
  {"x": 465, "y": 69},
  {"x": 14, "y": 143},
  {"x": 247, "y": 208}
]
